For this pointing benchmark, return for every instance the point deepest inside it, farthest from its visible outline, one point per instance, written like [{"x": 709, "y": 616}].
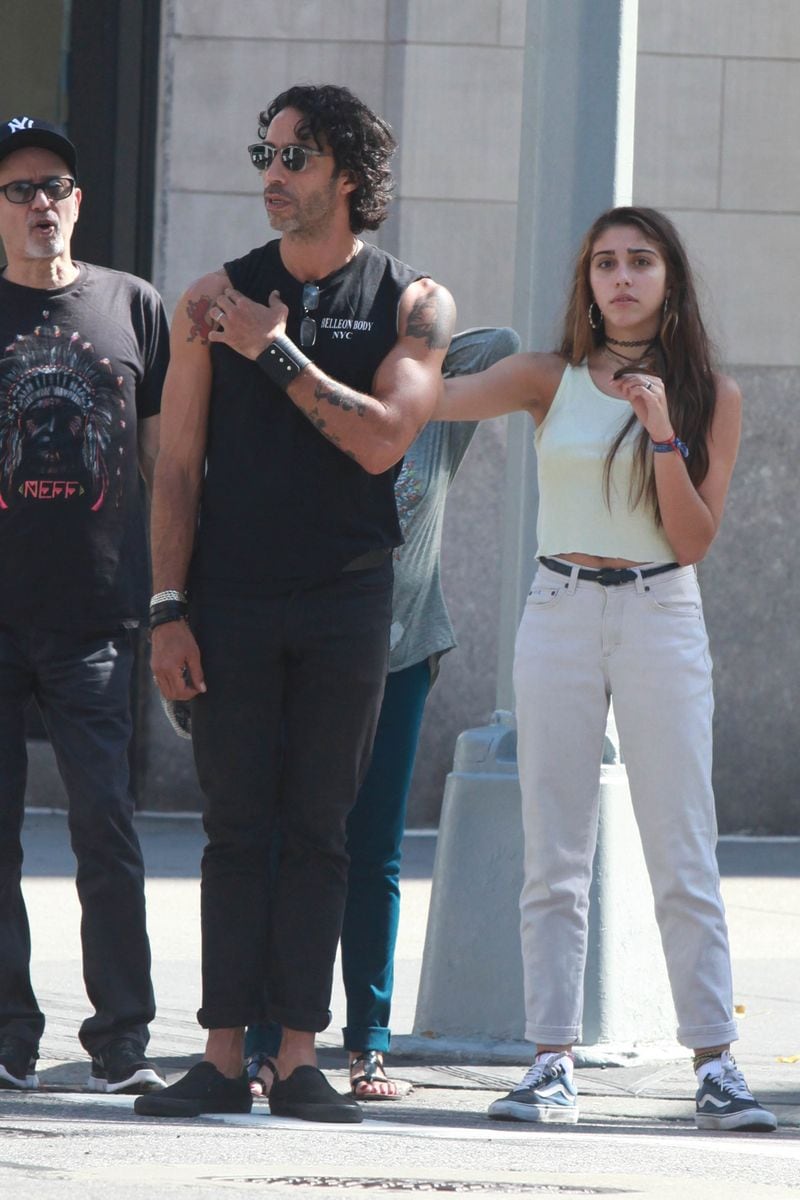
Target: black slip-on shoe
[
  {"x": 203, "y": 1089},
  {"x": 307, "y": 1095},
  {"x": 120, "y": 1066}
]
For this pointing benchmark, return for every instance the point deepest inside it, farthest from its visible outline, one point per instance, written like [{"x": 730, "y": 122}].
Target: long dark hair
[
  {"x": 361, "y": 142},
  {"x": 681, "y": 353}
]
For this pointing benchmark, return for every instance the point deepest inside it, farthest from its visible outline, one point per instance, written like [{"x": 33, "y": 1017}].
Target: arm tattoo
[
  {"x": 197, "y": 311},
  {"x": 321, "y": 425},
  {"x": 431, "y": 318},
  {"x": 339, "y": 396}
]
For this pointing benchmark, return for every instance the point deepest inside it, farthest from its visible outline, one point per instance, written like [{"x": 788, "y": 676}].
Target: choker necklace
[
  {"x": 623, "y": 358},
  {"x": 641, "y": 342}
]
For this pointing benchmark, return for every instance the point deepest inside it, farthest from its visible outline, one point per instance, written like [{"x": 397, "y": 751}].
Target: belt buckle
[{"x": 613, "y": 576}]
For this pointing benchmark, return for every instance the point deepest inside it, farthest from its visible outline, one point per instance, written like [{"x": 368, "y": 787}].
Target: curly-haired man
[{"x": 300, "y": 374}]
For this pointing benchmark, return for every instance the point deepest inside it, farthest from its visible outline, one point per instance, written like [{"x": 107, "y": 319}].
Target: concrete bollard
[
  {"x": 471, "y": 981},
  {"x": 470, "y": 995}
]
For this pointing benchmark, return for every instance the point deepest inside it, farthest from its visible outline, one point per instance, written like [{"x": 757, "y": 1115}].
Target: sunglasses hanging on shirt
[{"x": 308, "y": 326}]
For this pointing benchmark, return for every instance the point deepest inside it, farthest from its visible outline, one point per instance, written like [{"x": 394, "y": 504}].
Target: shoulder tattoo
[
  {"x": 201, "y": 324},
  {"x": 431, "y": 319}
]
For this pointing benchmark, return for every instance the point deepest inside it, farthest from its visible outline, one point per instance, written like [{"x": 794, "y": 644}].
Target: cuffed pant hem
[
  {"x": 698, "y": 1037},
  {"x": 96, "y": 1042},
  {"x": 306, "y": 1020},
  {"x": 552, "y": 1035},
  {"x": 27, "y": 1031},
  {"x": 225, "y": 1018},
  {"x": 366, "y": 1037}
]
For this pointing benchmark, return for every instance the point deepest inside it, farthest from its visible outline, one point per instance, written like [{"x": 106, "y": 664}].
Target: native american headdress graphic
[{"x": 50, "y": 366}]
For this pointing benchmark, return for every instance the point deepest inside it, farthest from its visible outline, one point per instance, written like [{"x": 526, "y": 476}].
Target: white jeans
[{"x": 645, "y": 643}]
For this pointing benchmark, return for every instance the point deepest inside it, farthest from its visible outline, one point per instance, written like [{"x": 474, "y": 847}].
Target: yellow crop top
[{"x": 571, "y": 446}]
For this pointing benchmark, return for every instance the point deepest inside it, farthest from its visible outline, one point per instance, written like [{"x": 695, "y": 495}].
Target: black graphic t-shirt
[
  {"x": 282, "y": 507},
  {"x": 79, "y": 365}
]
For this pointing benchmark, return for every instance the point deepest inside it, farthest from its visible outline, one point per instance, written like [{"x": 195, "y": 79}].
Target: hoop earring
[
  {"x": 595, "y": 323},
  {"x": 669, "y": 320}
]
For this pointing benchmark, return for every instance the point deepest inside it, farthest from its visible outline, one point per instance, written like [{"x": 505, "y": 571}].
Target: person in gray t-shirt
[{"x": 421, "y": 633}]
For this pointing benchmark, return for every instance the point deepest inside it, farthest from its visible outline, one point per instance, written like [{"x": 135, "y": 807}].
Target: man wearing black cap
[{"x": 84, "y": 359}]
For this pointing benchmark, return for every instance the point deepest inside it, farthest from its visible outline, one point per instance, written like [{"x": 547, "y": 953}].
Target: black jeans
[
  {"x": 82, "y": 686},
  {"x": 282, "y": 740}
]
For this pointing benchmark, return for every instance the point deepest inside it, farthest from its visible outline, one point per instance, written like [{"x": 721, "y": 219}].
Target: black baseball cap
[{"x": 18, "y": 132}]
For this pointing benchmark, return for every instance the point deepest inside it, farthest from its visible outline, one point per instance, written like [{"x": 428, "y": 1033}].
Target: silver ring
[{"x": 648, "y": 385}]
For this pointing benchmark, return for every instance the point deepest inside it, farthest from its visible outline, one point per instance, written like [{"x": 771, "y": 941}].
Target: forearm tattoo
[
  {"x": 321, "y": 426},
  {"x": 431, "y": 319},
  {"x": 340, "y": 396},
  {"x": 201, "y": 324}
]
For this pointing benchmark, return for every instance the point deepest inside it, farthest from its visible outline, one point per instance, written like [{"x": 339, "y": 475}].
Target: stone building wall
[
  {"x": 717, "y": 109},
  {"x": 718, "y": 100}
]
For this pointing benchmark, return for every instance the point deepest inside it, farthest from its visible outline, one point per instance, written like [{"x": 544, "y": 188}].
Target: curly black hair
[{"x": 361, "y": 142}]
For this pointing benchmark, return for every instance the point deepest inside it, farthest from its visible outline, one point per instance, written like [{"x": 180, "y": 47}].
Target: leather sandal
[
  {"x": 373, "y": 1072},
  {"x": 255, "y": 1063}
]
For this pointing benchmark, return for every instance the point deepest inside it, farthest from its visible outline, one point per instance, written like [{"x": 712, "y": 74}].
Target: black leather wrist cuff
[
  {"x": 282, "y": 361},
  {"x": 161, "y": 614}
]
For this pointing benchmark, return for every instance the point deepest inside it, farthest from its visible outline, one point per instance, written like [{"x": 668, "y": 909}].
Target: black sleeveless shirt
[{"x": 282, "y": 507}]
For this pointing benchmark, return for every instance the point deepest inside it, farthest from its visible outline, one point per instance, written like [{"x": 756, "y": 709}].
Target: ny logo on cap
[{"x": 17, "y": 124}]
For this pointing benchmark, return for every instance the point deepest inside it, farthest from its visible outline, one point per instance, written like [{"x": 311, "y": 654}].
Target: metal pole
[{"x": 576, "y": 159}]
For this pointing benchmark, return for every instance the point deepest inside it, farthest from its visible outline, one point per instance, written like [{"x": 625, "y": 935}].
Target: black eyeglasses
[
  {"x": 22, "y": 191},
  {"x": 308, "y": 326},
  {"x": 294, "y": 158}
]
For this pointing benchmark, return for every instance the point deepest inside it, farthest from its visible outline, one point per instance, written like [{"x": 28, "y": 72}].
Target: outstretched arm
[
  {"x": 374, "y": 429},
  {"x": 520, "y": 383}
]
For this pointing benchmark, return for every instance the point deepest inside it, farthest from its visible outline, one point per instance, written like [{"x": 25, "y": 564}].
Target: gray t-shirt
[{"x": 421, "y": 625}]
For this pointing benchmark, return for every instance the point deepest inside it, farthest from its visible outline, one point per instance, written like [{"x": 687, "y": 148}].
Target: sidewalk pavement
[{"x": 652, "y": 1090}]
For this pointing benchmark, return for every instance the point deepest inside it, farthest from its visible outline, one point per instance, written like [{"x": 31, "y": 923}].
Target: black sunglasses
[
  {"x": 294, "y": 158},
  {"x": 22, "y": 191},
  {"x": 308, "y": 326}
]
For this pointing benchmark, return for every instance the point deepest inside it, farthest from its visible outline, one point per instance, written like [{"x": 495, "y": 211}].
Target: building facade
[{"x": 162, "y": 98}]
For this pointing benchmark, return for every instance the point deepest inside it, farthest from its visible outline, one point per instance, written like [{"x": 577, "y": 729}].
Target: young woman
[{"x": 636, "y": 440}]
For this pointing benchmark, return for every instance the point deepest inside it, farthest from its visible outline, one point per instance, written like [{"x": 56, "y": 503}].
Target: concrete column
[{"x": 576, "y": 161}]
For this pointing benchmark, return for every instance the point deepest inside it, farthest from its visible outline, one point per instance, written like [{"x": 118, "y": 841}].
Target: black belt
[
  {"x": 373, "y": 558},
  {"x": 606, "y": 576}
]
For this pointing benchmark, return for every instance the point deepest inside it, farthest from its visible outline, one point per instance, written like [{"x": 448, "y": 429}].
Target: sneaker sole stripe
[
  {"x": 26, "y": 1084},
  {"x": 145, "y": 1078},
  {"x": 510, "y": 1110},
  {"x": 748, "y": 1120}
]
